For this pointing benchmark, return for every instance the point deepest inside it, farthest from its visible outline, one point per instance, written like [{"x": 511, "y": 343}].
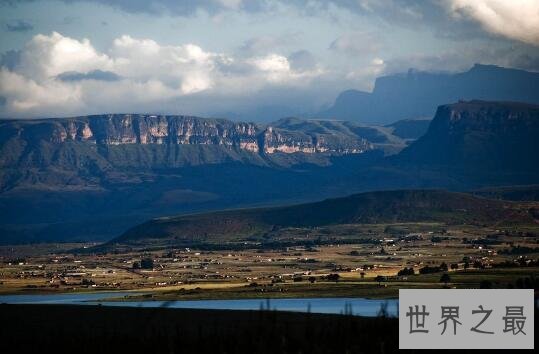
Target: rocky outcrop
[{"x": 120, "y": 129}]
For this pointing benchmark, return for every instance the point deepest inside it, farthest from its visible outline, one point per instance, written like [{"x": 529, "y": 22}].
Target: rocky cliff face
[
  {"x": 120, "y": 129},
  {"x": 480, "y": 135}
]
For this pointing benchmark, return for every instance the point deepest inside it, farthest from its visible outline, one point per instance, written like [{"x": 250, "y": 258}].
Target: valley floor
[{"x": 471, "y": 256}]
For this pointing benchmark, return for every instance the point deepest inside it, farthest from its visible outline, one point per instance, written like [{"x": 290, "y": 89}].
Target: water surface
[{"x": 355, "y": 306}]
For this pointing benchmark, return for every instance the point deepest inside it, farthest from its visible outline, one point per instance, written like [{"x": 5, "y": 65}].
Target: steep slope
[
  {"x": 373, "y": 207},
  {"x": 480, "y": 137},
  {"x": 417, "y": 94}
]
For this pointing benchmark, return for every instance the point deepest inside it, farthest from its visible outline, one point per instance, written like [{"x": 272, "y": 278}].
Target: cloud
[
  {"x": 44, "y": 57},
  {"x": 519, "y": 55},
  {"x": 513, "y": 19},
  {"x": 58, "y": 75},
  {"x": 19, "y": 26},
  {"x": 98, "y": 75},
  {"x": 10, "y": 59},
  {"x": 357, "y": 43},
  {"x": 302, "y": 60},
  {"x": 268, "y": 43}
]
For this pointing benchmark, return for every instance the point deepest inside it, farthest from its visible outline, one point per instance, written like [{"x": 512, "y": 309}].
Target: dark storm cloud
[
  {"x": 19, "y": 26},
  {"x": 431, "y": 14},
  {"x": 98, "y": 75}
]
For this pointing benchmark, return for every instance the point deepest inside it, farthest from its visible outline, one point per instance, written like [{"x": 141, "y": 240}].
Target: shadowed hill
[{"x": 374, "y": 207}]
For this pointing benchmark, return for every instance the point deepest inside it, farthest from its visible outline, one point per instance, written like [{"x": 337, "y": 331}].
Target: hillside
[
  {"x": 416, "y": 94},
  {"x": 364, "y": 208}
]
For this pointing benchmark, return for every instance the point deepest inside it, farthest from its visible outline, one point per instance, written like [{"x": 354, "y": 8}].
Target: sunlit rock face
[{"x": 120, "y": 129}]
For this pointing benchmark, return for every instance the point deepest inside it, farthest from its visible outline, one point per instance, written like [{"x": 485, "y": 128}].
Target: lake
[{"x": 355, "y": 306}]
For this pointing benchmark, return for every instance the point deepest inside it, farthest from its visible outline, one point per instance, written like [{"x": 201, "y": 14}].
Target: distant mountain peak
[{"x": 417, "y": 93}]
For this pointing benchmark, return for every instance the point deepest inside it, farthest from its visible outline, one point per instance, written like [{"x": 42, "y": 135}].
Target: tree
[
  {"x": 379, "y": 279},
  {"x": 478, "y": 264},
  {"x": 136, "y": 265},
  {"x": 362, "y": 275},
  {"x": 445, "y": 278},
  {"x": 312, "y": 280},
  {"x": 146, "y": 263},
  {"x": 429, "y": 270},
  {"x": 406, "y": 271},
  {"x": 87, "y": 282},
  {"x": 443, "y": 267},
  {"x": 333, "y": 277}
]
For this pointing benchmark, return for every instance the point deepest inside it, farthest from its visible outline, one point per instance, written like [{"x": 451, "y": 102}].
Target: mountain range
[
  {"x": 416, "y": 94},
  {"x": 60, "y": 176},
  {"x": 91, "y": 178}
]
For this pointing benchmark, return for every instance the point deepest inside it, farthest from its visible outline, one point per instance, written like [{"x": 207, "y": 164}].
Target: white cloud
[
  {"x": 186, "y": 67},
  {"x": 47, "y": 56},
  {"x": 357, "y": 43},
  {"x": 146, "y": 75},
  {"x": 24, "y": 94},
  {"x": 514, "y": 19}
]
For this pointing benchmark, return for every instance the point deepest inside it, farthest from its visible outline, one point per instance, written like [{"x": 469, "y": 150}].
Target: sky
[{"x": 241, "y": 59}]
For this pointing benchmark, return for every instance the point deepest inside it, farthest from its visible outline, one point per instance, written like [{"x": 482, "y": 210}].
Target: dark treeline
[{"x": 100, "y": 329}]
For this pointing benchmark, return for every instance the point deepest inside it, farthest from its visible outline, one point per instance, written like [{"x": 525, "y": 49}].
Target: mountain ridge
[{"x": 416, "y": 94}]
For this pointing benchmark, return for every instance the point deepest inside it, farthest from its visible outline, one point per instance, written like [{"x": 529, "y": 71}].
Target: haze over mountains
[
  {"x": 93, "y": 177},
  {"x": 416, "y": 94}
]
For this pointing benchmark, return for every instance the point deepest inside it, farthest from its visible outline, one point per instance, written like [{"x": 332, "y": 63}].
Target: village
[{"x": 394, "y": 261}]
